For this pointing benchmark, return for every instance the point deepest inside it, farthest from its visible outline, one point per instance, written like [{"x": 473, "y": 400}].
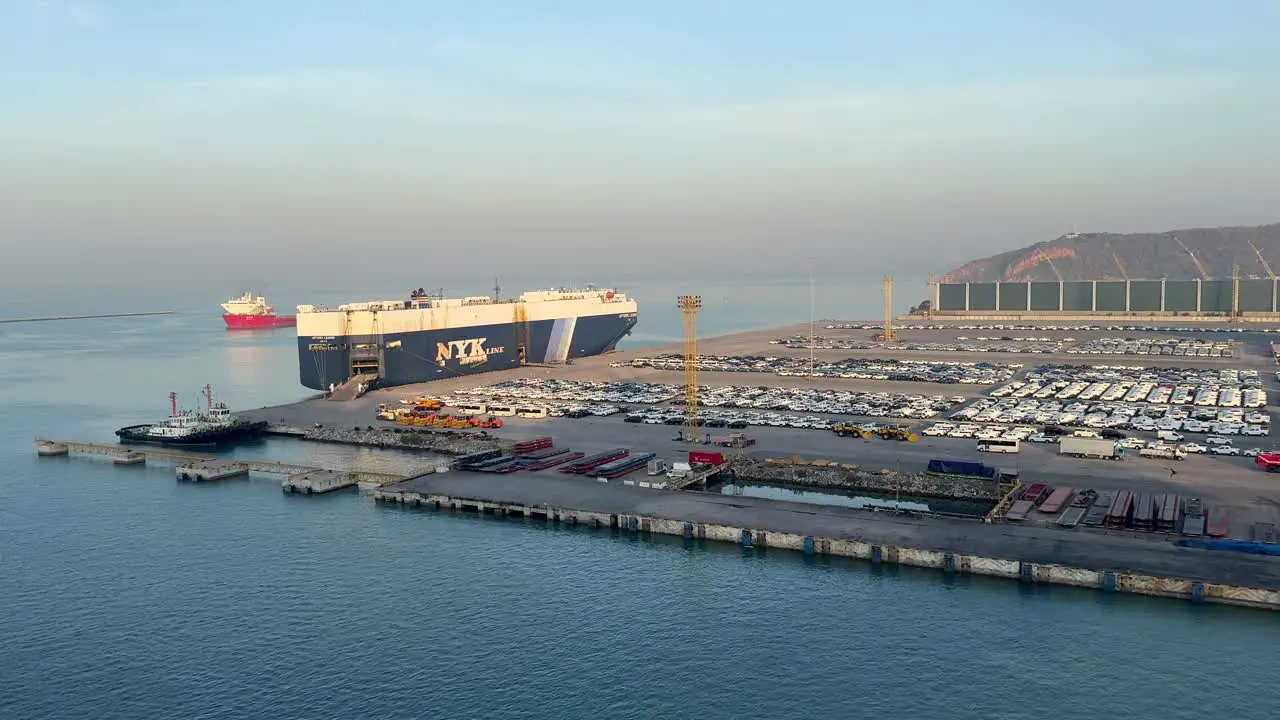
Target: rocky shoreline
[
  {"x": 841, "y": 478},
  {"x": 397, "y": 438}
]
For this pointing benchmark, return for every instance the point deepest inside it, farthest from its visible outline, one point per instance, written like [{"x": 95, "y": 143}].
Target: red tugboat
[{"x": 250, "y": 313}]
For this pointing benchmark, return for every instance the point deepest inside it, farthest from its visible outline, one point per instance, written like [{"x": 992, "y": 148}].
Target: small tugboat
[{"x": 215, "y": 425}]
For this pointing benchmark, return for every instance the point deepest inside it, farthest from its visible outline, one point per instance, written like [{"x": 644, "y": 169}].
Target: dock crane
[
  {"x": 1261, "y": 260},
  {"x": 1204, "y": 274}
]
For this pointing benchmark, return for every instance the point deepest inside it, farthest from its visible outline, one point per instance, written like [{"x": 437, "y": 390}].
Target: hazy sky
[{"x": 318, "y": 138}]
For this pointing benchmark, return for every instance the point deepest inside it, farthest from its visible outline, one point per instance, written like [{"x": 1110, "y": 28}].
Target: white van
[{"x": 1169, "y": 435}]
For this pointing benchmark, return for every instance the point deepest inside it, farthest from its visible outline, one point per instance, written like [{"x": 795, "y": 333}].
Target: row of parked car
[
  {"x": 948, "y": 373},
  {"x": 1148, "y": 418},
  {"x": 1215, "y": 445},
  {"x": 1044, "y": 348},
  {"x": 562, "y": 396},
  {"x": 553, "y": 390},
  {"x": 1174, "y": 347},
  {"x": 829, "y": 402},
  {"x": 1231, "y": 388},
  {"x": 730, "y": 419}
]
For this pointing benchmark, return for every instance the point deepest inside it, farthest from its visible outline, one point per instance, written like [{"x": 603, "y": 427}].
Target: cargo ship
[
  {"x": 429, "y": 337},
  {"x": 250, "y": 313},
  {"x": 215, "y": 425}
]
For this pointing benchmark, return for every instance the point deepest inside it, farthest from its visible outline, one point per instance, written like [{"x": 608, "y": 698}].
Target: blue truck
[{"x": 962, "y": 469}]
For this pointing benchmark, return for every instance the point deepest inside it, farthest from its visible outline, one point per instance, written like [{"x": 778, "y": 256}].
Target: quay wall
[{"x": 947, "y": 562}]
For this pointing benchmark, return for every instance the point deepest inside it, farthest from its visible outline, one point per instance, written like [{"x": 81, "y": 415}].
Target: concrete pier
[
  {"x": 209, "y": 470},
  {"x": 46, "y": 448},
  {"x": 131, "y": 458},
  {"x": 320, "y": 481},
  {"x": 1154, "y": 567},
  {"x": 198, "y": 466}
]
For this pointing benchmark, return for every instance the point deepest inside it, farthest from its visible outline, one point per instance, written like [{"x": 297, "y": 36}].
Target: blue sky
[{"x": 891, "y": 136}]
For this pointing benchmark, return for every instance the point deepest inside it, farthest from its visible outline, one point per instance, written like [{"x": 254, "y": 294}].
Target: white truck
[
  {"x": 679, "y": 470},
  {"x": 1090, "y": 448},
  {"x": 1169, "y": 435},
  {"x": 1164, "y": 452}
]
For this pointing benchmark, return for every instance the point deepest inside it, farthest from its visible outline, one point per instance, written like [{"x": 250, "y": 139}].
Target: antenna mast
[
  {"x": 173, "y": 404},
  {"x": 497, "y": 291},
  {"x": 689, "y": 306}
]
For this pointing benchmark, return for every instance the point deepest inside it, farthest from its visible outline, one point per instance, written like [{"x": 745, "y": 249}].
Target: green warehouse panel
[
  {"x": 1014, "y": 296},
  {"x": 1144, "y": 296},
  {"x": 1110, "y": 296},
  {"x": 1077, "y": 296},
  {"x": 982, "y": 296},
  {"x": 1215, "y": 296},
  {"x": 1044, "y": 296},
  {"x": 1255, "y": 295},
  {"x": 1180, "y": 295},
  {"x": 951, "y": 296}
]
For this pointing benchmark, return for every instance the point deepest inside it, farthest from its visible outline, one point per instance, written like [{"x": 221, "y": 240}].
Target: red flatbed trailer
[
  {"x": 1121, "y": 507},
  {"x": 538, "y": 443},
  {"x": 596, "y": 461},
  {"x": 1057, "y": 500},
  {"x": 557, "y": 460},
  {"x": 1018, "y": 510},
  {"x": 1219, "y": 523},
  {"x": 1035, "y": 492}
]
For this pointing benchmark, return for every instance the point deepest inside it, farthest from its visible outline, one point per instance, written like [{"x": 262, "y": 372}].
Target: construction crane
[
  {"x": 1204, "y": 274},
  {"x": 1045, "y": 256},
  {"x": 888, "y": 335},
  {"x": 689, "y": 306},
  {"x": 1261, "y": 260}
]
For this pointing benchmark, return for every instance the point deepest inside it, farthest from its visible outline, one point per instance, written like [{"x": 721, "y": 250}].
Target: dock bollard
[
  {"x": 808, "y": 544},
  {"x": 1108, "y": 582}
]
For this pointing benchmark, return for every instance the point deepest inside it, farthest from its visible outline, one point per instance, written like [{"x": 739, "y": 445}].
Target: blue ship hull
[{"x": 422, "y": 356}]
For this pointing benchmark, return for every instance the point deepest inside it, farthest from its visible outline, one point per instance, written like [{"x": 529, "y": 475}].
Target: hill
[{"x": 1099, "y": 256}]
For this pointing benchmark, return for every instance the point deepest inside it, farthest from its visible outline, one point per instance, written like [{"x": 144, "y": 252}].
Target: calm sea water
[{"x": 125, "y": 594}]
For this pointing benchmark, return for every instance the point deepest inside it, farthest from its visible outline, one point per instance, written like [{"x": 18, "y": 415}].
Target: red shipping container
[{"x": 706, "y": 458}]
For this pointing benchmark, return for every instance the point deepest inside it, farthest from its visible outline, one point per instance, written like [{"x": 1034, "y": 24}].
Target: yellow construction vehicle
[
  {"x": 897, "y": 432},
  {"x": 425, "y": 401},
  {"x": 851, "y": 430}
]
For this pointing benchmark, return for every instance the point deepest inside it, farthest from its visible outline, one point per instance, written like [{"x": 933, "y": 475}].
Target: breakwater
[
  {"x": 86, "y": 317},
  {"x": 837, "y": 477}
]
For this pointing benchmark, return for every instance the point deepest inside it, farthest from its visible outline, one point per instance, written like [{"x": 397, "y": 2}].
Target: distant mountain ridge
[{"x": 1137, "y": 256}]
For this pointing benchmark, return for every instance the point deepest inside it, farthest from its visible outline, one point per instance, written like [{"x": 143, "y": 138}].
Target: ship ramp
[{"x": 354, "y": 387}]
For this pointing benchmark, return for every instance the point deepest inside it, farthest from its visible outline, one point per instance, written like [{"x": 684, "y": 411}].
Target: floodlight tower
[{"x": 689, "y": 306}]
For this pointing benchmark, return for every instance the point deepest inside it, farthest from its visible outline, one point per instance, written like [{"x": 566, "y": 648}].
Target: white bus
[
  {"x": 502, "y": 410},
  {"x": 531, "y": 412},
  {"x": 471, "y": 407},
  {"x": 999, "y": 446}
]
